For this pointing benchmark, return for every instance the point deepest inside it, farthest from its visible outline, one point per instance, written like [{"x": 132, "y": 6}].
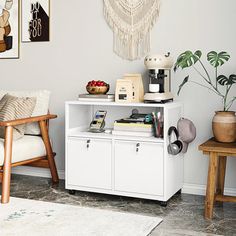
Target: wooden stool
[{"x": 218, "y": 153}]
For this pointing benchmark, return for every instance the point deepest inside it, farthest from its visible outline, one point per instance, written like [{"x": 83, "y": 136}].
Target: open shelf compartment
[{"x": 80, "y": 114}]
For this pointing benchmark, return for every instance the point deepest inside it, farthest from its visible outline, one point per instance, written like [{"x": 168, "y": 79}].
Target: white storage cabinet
[{"x": 121, "y": 165}]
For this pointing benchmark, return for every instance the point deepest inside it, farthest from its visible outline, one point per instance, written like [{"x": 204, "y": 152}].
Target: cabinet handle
[
  {"x": 137, "y": 147},
  {"x": 88, "y": 142}
]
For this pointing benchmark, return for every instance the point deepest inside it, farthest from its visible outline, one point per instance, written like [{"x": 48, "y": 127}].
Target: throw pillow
[
  {"x": 12, "y": 108},
  {"x": 41, "y": 107}
]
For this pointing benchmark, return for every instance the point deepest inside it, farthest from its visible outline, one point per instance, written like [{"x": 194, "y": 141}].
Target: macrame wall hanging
[{"x": 131, "y": 22}]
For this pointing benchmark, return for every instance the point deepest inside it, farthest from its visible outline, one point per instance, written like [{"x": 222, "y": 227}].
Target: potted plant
[{"x": 224, "y": 122}]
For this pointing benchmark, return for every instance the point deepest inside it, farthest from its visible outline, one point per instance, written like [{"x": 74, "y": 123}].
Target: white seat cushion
[{"x": 25, "y": 148}]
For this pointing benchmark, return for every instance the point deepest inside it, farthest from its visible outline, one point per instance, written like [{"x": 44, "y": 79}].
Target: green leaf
[
  {"x": 222, "y": 80},
  {"x": 232, "y": 79},
  {"x": 182, "y": 84},
  {"x": 187, "y": 59},
  {"x": 217, "y": 59}
]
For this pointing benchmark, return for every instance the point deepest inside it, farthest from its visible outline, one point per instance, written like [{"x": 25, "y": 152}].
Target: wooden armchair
[{"x": 46, "y": 161}]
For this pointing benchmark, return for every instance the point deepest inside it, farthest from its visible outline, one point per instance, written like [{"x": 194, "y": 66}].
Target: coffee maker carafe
[{"x": 159, "y": 72}]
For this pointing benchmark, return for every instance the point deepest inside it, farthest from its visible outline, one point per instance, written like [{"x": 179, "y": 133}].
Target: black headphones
[{"x": 174, "y": 148}]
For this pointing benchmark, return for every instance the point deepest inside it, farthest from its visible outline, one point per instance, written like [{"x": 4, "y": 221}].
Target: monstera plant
[
  {"x": 212, "y": 82},
  {"x": 217, "y": 83}
]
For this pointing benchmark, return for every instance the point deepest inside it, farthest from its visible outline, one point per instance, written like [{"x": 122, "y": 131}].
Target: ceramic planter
[{"x": 224, "y": 126}]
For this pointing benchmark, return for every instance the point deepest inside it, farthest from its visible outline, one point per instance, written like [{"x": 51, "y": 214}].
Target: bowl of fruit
[{"x": 97, "y": 87}]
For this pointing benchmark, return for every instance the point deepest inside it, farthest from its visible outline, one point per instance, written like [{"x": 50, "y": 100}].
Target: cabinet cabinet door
[
  {"x": 89, "y": 163},
  {"x": 139, "y": 167}
]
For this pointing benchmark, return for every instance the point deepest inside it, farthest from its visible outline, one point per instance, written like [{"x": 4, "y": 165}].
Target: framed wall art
[
  {"x": 35, "y": 20},
  {"x": 9, "y": 29}
]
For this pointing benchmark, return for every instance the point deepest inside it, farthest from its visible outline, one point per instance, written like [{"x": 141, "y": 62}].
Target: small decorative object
[
  {"x": 35, "y": 20},
  {"x": 9, "y": 29},
  {"x": 97, "y": 87},
  {"x": 224, "y": 122},
  {"x": 129, "y": 89},
  {"x": 124, "y": 91},
  {"x": 131, "y": 22},
  {"x": 137, "y": 83},
  {"x": 224, "y": 126}
]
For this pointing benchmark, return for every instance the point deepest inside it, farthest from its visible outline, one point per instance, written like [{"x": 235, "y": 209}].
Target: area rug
[
  {"x": 181, "y": 232},
  {"x": 35, "y": 218}
]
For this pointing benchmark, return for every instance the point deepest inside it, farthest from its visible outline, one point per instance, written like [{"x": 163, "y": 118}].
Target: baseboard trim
[
  {"x": 35, "y": 171},
  {"x": 195, "y": 189}
]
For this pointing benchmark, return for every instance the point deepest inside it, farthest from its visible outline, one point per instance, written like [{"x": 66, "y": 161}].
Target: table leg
[
  {"x": 221, "y": 176},
  {"x": 211, "y": 184}
]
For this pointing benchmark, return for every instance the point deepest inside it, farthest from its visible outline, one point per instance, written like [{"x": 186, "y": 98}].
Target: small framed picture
[
  {"x": 35, "y": 20},
  {"x": 9, "y": 29}
]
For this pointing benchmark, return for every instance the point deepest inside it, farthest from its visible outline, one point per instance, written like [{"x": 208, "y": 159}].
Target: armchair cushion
[
  {"x": 24, "y": 149},
  {"x": 12, "y": 108},
  {"x": 41, "y": 107}
]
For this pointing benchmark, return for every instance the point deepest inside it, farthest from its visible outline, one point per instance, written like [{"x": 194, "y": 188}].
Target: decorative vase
[{"x": 224, "y": 126}]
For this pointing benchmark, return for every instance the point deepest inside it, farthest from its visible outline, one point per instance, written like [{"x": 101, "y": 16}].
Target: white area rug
[
  {"x": 180, "y": 232},
  {"x": 24, "y": 217}
]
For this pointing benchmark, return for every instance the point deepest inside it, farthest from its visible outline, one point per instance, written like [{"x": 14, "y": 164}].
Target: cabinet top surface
[{"x": 169, "y": 104}]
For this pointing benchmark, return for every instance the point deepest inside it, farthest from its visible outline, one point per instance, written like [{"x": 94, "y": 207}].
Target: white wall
[{"x": 81, "y": 50}]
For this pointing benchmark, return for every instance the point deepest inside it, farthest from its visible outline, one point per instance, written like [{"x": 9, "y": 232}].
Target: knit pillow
[
  {"x": 41, "y": 107},
  {"x": 12, "y": 108}
]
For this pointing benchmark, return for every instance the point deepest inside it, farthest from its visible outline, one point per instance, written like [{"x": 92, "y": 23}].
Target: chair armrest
[{"x": 27, "y": 120}]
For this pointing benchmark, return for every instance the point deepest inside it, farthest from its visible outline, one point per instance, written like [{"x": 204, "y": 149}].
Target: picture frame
[
  {"x": 35, "y": 21},
  {"x": 10, "y": 29}
]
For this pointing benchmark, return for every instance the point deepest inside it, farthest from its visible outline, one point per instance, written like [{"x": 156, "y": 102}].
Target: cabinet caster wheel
[
  {"x": 72, "y": 192},
  {"x": 179, "y": 192},
  {"x": 163, "y": 204}
]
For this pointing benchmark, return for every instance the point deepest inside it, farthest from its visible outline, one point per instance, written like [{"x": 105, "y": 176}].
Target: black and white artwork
[{"x": 35, "y": 20}]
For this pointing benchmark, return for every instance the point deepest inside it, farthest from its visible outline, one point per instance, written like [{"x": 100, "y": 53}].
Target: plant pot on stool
[
  {"x": 224, "y": 126},
  {"x": 224, "y": 122}
]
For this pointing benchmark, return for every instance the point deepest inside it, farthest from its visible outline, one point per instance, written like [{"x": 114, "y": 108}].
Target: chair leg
[
  {"x": 1, "y": 176},
  {"x": 51, "y": 161},
  {"x": 6, "y": 181}
]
